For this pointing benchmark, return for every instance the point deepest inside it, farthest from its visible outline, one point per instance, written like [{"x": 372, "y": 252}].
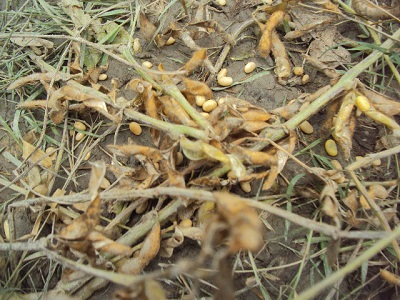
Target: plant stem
[
  {"x": 345, "y": 83},
  {"x": 336, "y": 276}
]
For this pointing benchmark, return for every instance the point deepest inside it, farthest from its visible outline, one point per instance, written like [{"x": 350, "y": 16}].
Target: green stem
[
  {"x": 339, "y": 274},
  {"x": 173, "y": 129},
  {"x": 345, "y": 83}
]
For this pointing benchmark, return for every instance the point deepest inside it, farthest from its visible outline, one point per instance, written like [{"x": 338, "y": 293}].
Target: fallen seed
[
  {"x": 331, "y": 148},
  {"x": 222, "y": 73},
  {"x": 298, "y": 71},
  {"x": 87, "y": 156},
  {"x": 377, "y": 162},
  {"x": 103, "y": 77},
  {"x": 136, "y": 45},
  {"x": 221, "y": 2},
  {"x": 186, "y": 223},
  {"x": 306, "y": 127},
  {"x": 200, "y": 100},
  {"x": 170, "y": 41},
  {"x": 79, "y": 136},
  {"x": 179, "y": 158},
  {"x": 205, "y": 114},
  {"x": 305, "y": 79},
  {"x": 209, "y": 105},
  {"x": 147, "y": 64},
  {"x": 225, "y": 81},
  {"x": 79, "y": 125},
  {"x": 135, "y": 128},
  {"x": 245, "y": 186},
  {"x": 250, "y": 67},
  {"x": 336, "y": 164},
  {"x": 363, "y": 103}
]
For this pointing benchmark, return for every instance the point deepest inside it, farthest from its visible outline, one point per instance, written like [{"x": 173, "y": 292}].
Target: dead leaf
[
  {"x": 35, "y": 156},
  {"x": 147, "y": 29},
  {"x": 196, "y": 61},
  {"x": 243, "y": 222}
]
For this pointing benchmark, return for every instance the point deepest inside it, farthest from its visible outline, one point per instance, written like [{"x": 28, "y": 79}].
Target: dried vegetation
[{"x": 201, "y": 162}]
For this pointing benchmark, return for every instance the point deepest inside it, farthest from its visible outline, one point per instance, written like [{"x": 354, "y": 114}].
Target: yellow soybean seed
[
  {"x": 222, "y": 73},
  {"x": 250, "y": 67},
  {"x": 135, "y": 128},
  {"x": 305, "y": 79},
  {"x": 363, "y": 103},
  {"x": 136, "y": 45},
  {"x": 209, "y": 105},
  {"x": 331, "y": 148},
  {"x": 170, "y": 41},
  {"x": 221, "y": 2},
  {"x": 225, "y": 81},
  {"x": 103, "y": 77},
  {"x": 245, "y": 186},
  {"x": 179, "y": 158},
  {"x": 186, "y": 223},
  {"x": 79, "y": 136},
  {"x": 200, "y": 100},
  {"x": 147, "y": 64},
  {"x": 87, "y": 156},
  {"x": 298, "y": 71},
  {"x": 306, "y": 127},
  {"x": 377, "y": 162},
  {"x": 336, "y": 164},
  {"x": 79, "y": 125}
]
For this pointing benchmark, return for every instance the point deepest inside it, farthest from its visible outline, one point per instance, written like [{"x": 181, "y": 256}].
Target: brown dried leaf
[
  {"x": 196, "y": 61},
  {"x": 36, "y": 156},
  {"x": 351, "y": 201},
  {"x": 243, "y": 222},
  {"x": 330, "y": 204},
  {"x": 147, "y": 28},
  {"x": 85, "y": 223}
]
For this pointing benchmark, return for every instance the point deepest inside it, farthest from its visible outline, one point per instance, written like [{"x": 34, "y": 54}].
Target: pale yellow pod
[
  {"x": 298, "y": 71},
  {"x": 250, "y": 67},
  {"x": 79, "y": 125},
  {"x": 6, "y": 228},
  {"x": 306, "y": 127},
  {"x": 331, "y": 147},
  {"x": 135, "y": 128},
  {"x": 79, "y": 136},
  {"x": 199, "y": 100},
  {"x": 103, "y": 77},
  {"x": 209, "y": 105},
  {"x": 186, "y": 223},
  {"x": 141, "y": 208},
  {"x": 245, "y": 186},
  {"x": 225, "y": 81},
  {"x": 363, "y": 103},
  {"x": 147, "y": 64}
]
